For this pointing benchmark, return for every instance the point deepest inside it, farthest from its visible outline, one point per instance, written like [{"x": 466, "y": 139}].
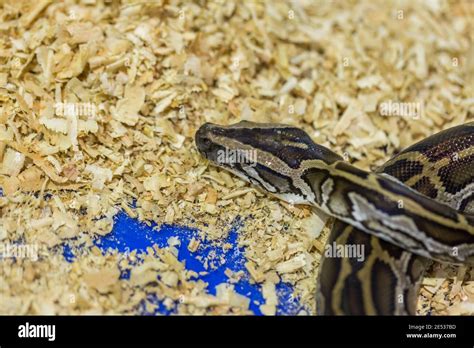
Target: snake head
[
  {"x": 267, "y": 155},
  {"x": 254, "y": 143}
]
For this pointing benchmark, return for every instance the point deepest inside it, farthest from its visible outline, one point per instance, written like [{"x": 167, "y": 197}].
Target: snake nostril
[
  {"x": 206, "y": 143},
  {"x": 203, "y": 143}
]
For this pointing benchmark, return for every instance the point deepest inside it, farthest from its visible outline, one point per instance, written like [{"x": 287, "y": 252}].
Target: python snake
[{"x": 415, "y": 208}]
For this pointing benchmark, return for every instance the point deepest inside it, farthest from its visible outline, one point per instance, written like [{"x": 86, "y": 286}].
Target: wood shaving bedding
[{"x": 99, "y": 103}]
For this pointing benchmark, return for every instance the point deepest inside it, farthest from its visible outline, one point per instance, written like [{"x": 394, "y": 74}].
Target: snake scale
[{"x": 416, "y": 208}]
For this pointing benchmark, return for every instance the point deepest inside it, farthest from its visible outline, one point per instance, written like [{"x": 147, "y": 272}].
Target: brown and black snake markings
[{"x": 417, "y": 207}]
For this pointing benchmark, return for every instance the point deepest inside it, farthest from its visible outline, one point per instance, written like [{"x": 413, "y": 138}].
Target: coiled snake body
[{"x": 417, "y": 207}]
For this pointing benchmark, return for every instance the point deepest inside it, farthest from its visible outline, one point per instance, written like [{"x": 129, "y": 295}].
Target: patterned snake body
[{"x": 419, "y": 203}]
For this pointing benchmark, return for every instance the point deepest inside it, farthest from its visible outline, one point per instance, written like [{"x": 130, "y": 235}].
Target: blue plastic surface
[{"x": 129, "y": 234}]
